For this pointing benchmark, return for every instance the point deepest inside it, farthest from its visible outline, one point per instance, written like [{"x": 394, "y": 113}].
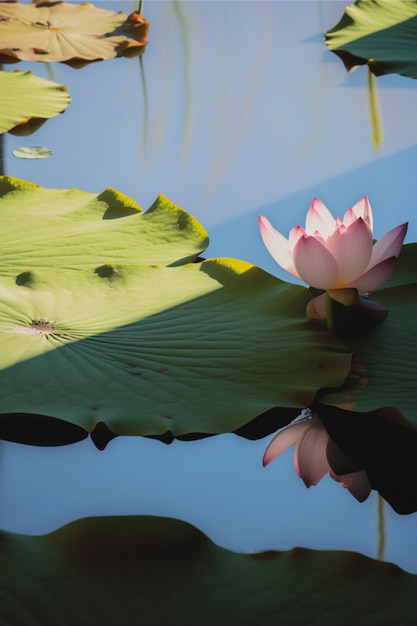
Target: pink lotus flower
[
  {"x": 313, "y": 450},
  {"x": 334, "y": 255}
]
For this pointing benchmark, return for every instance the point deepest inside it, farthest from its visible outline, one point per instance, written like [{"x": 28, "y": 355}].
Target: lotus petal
[
  {"x": 278, "y": 247},
  {"x": 315, "y": 264},
  {"x": 376, "y": 276},
  {"x": 284, "y": 440},
  {"x": 316, "y": 308},
  {"x": 389, "y": 245},
  {"x": 352, "y": 249},
  {"x": 319, "y": 219},
  {"x": 361, "y": 209},
  {"x": 295, "y": 234},
  {"x": 357, "y": 483},
  {"x": 310, "y": 458}
]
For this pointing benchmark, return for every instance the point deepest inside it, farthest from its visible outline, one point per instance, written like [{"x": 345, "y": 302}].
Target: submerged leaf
[
  {"x": 27, "y": 101},
  {"x": 93, "y": 571},
  {"x": 75, "y": 34},
  {"x": 381, "y": 33}
]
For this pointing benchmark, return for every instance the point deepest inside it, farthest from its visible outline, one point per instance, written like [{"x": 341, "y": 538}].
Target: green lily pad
[
  {"x": 79, "y": 230},
  {"x": 32, "y": 152},
  {"x": 384, "y": 372},
  {"x": 96, "y": 295},
  {"x": 381, "y": 33},
  {"x": 201, "y": 347},
  {"x": 150, "y": 570},
  {"x": 75, "y": 34},
  {"x": 27, "y": 101}
]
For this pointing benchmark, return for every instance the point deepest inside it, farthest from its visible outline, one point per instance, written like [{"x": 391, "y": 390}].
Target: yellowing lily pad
[
  {"x": 27, "y": 101},
  {"x": 150, "y": 570},
  {"x": 70, "y": 33},
  {"x": 75, "y": 229},
  {"x": 381, "y": 33}
]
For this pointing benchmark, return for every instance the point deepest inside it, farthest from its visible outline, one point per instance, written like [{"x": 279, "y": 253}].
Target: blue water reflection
[
  {"x": 218, "y": 484},
  {"x": 246, "y": 112}
]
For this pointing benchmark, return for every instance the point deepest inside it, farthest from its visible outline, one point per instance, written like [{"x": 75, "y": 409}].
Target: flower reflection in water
[{"x": 316, "y": 454}]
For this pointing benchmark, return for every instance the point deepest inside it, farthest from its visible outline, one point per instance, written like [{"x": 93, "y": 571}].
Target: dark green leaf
[
  {"x": 381, "y": 33},
  {"x": 131, "y": 570}
]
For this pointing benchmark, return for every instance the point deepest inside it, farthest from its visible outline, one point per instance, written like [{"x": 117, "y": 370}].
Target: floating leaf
[
  {"x": 79, "y": 230},
  {"x": 201, "y": 347},
  {"x": 150, "y": 570},
  {"x": 75, "y": 34},
  {"x": 381, "y": 33},
  {"x": 32, "y": 152},
  {"x": 27, "y": 101},
  {"x": 108, "y": 322},
  {"x": 384, "y": 369}
]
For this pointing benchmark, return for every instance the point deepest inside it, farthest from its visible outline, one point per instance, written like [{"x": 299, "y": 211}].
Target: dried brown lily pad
[{"x": 62, "y": 32}]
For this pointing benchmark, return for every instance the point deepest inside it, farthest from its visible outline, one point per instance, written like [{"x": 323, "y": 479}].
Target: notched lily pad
[
  {"x": 27, "y": 101},
  {"x": 381, "y": 33},
  {"x": 75, "y": 34},
  {"x": 201, "y": 347},
  {"x": 74, "y": 229},
  {"x": 94, "y": 570},
  {"x": 107, "y": 321}
]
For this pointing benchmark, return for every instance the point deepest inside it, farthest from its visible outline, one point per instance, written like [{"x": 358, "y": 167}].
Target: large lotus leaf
[
  {"x": 75, "y": 34},
  {"x": 381, "y": 33},
  {"x": 150, "y": 570},
  {"x": 384, "y": 371},
  {"x": 203, "y": 347},
  {"x": 27, "y": 101},
  {"x": 75, "y": 229}
]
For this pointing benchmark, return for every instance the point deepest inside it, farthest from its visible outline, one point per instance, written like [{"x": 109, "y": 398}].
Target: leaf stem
[
  {"x": 374, "y": 110},
  {"x": 382, "y": 533},
  {"x": 145, "y": 104},
  {"x": 140, "y": 7},
  {"x": 2, "y": 163}
]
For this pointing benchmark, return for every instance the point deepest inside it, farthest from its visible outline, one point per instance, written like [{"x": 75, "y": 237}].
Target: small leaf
[{"x": 32, "y": 152}]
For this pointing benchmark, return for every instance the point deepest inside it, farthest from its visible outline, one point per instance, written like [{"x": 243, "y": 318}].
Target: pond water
[{"x": 236, "y": 109}]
